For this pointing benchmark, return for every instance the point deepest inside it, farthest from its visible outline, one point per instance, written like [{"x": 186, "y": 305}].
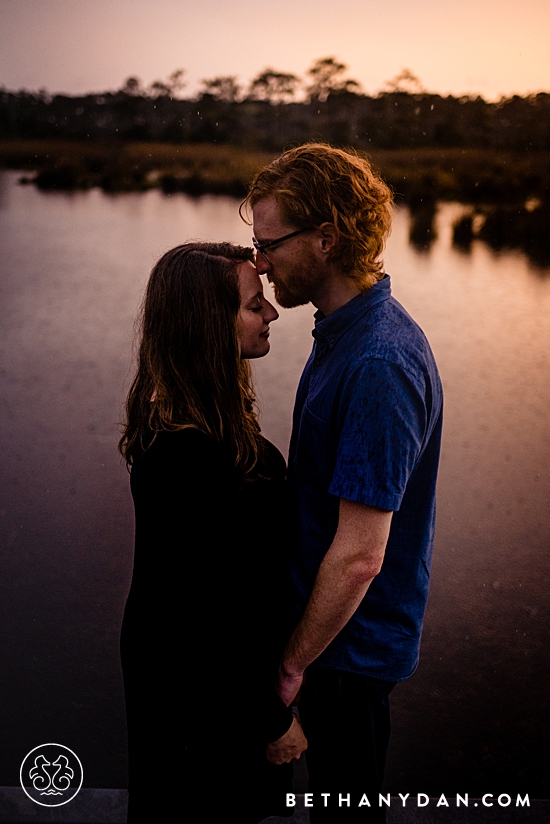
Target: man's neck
[{"x": 334, "y": 292}]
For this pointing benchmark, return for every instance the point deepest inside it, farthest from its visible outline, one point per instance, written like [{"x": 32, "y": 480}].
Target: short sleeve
[{"x": 382, "y": 432}]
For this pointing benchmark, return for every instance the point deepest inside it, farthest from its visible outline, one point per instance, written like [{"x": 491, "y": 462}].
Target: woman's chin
[{"x": 259, "y": 352}]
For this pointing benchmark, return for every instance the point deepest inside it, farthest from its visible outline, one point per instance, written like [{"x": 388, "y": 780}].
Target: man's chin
[
  {"x": 292, "y": 303},
  {"x": 287, "y": 300}
]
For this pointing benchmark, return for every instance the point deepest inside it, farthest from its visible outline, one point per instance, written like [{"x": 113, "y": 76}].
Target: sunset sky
[{"x": 490, "y": 47}]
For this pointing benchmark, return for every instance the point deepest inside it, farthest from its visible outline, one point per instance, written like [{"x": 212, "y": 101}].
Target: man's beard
[{"x": 305, "y": 280}]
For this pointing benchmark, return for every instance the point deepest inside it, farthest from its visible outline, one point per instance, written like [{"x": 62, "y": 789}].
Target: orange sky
[{"x": 491, "y": 47}]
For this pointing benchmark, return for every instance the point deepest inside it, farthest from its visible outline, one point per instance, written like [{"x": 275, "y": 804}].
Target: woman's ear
[{"x": 329, "y": 237}]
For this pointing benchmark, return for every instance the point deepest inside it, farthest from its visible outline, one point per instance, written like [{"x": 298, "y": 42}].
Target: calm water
[{"x": 474, "y": 716}]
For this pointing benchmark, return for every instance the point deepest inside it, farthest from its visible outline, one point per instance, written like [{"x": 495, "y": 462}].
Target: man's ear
[{"x": 329, "y": 237}]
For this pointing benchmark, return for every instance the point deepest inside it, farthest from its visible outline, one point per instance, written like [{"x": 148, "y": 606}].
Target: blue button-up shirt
[{"x": 367, "y": 428}]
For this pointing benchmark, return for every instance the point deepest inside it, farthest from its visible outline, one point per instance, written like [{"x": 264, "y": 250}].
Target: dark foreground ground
[{"x": 109, "y": 807}]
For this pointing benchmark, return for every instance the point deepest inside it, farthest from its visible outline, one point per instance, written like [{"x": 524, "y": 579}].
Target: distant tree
[
  {"x": 224, "y": 89},
  {"x": 276, "y": 87},
  {"x": 132, "y": 86},
  {"x": 169, "y": 88},
  {"x": 158, "y": 89},
  {"x": 176, "y": 82},
  {"x": 43, "y": 95},
  {"x": 406, "y": 81},
  {"x": 326, "y": 78}
]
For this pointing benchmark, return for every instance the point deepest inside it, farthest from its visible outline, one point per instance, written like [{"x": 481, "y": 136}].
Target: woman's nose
[{"x": 271, "y": 313}]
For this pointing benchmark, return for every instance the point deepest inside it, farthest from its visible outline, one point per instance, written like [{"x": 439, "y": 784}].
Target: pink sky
[{"x": 491, "y": 47}]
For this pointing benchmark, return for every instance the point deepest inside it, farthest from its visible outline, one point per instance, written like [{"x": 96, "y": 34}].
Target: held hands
[
  {"x": 288, "y": 746},
  {"x": 293, "y": 743}
]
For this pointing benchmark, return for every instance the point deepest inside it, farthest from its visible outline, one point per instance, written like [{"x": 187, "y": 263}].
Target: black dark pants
[{"x": 346, "y": 719}]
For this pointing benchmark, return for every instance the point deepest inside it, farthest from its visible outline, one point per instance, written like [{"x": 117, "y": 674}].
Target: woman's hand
[{"x": 288, "y": 746}]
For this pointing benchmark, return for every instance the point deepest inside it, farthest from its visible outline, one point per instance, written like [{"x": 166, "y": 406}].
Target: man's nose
[{"x": 262, "y": 263}]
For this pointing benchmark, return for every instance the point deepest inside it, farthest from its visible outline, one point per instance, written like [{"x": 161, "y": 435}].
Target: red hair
[{"x": 316, "y": 183}]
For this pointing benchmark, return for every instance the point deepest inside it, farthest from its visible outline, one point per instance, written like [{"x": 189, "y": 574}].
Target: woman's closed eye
[{"x": 257, "y": 304}]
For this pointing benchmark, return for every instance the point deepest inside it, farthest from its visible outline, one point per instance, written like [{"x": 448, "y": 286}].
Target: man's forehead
[
  {"x": 266, "y": 216},
  {"x": 266, "y": 209}
]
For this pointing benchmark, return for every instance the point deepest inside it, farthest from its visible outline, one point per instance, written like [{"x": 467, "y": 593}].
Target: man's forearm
[
  {"x": 345, "y": 574},
  {"x": 337, "y": 593}
]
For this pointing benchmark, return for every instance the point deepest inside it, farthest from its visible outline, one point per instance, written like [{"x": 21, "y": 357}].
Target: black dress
[{"x": 203, "y": 630}]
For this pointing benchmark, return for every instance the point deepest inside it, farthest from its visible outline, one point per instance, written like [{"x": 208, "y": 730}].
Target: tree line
[{"x": 278, "y": 109}]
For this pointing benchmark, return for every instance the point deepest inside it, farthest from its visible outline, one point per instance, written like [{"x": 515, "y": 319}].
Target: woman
[{"x": 204, "y": 624}]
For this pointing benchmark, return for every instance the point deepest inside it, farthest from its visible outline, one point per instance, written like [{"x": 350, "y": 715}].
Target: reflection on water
[{"x": 72, "y": 271}]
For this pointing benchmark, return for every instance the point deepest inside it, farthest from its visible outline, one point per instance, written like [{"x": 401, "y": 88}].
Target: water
[{"x": 474, "y": 716}]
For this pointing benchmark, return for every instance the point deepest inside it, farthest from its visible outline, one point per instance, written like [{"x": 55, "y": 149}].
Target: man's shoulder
[
  {"x": 388, "y": 319},
  {"x": 388, "y": 333}
]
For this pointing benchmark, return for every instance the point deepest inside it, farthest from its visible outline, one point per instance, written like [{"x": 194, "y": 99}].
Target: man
[{"x": 363, "y": 464}]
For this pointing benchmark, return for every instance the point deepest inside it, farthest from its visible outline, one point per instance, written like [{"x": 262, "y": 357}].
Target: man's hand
[
  {"x": 288, "y": 685},
  {"x": 288, "y": 746}
]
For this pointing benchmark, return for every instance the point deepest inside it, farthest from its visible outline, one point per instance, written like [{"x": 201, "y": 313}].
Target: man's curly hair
[{"x": 317, "y": 183}]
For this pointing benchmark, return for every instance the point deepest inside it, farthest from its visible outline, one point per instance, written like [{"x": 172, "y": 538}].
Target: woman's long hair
[{"x": 190, "y": 373}]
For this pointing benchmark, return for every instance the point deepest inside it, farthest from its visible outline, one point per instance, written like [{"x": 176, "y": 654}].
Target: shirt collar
[{"x": 330, "y": 328}]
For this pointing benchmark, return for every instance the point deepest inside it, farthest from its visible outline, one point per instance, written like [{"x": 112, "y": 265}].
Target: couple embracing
[{"x": 272, "y": 613}]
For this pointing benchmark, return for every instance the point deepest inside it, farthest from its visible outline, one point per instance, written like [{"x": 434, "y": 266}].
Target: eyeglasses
[{"x": 261, "y": 247}]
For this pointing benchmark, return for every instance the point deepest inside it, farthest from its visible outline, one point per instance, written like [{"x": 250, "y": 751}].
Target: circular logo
[{"x": 51, "y": 775}]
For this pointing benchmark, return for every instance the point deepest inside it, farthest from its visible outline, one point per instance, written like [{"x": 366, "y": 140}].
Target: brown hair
[
  {"x": 190, "y": 373},
  {"x": 316, "y": 183}
]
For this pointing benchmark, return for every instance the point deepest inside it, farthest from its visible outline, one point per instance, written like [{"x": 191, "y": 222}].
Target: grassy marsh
[{"x": 509, "y": 190}]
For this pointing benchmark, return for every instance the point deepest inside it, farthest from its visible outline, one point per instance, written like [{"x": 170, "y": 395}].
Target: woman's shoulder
[
  {"x": 183, "y": 451},
  {"x": 187, "y": 440},
  {"x": 195, "y": 455}
]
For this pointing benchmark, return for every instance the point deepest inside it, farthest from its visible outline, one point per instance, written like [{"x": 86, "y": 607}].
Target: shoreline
[
  {"x": 477, "y": 176},
  {"x": 508, "y": 193}
]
